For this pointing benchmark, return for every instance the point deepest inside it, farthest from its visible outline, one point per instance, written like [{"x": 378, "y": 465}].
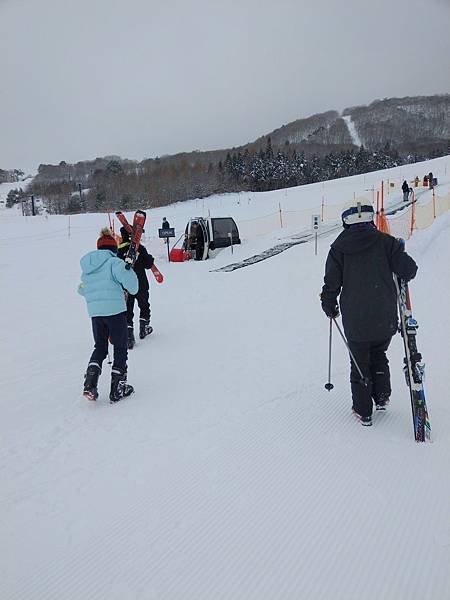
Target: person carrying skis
[
  {"x": 359, "y": 268},
  {"x": 405, "y": 189},
  {"x": 144, "y": 261},
  {"x": 104, "y": 280}
]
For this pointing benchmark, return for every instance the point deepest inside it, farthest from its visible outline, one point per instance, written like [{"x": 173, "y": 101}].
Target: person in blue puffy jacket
[{"x": 104, "y": 284}]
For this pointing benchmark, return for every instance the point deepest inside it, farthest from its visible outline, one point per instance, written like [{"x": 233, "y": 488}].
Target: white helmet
[{"x": 358, "y": 210}]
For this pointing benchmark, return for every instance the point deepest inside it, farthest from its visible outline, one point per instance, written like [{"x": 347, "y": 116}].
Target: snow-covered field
[{"x": 231, "y": 473}]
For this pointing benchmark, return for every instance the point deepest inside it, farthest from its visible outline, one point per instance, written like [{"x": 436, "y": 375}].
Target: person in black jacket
[
  {"x": 144, "y": 261},
  {"x": 405, "y": 189},
  {"x": 360, "y": 267}
]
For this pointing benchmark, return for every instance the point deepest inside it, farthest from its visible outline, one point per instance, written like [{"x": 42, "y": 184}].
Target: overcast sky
[{"x": 143, "y": 78}]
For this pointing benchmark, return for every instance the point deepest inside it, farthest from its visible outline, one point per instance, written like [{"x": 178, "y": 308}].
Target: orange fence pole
[
  {"x": 378, "y": 210},
  {"x": 413, "y": 214},
  {"x": 383, "y": 222}
]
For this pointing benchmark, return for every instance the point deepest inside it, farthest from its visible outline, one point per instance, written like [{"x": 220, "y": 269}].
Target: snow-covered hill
[{"x": 231, "y": 473}]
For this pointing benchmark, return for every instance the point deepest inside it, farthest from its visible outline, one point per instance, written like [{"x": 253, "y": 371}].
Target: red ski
[
  {"x": 122, "y": 218},
  {"x": 157, "y": 273},
  {"x": 135, "y": 232},
  {"x": 135, "y": 238}
]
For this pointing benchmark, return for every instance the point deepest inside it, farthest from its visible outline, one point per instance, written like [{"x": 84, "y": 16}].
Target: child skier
[
  {"x": 359, "y": 268},
  {"x": 104, "y": 280},
  {"x": 143, "y": 262}
]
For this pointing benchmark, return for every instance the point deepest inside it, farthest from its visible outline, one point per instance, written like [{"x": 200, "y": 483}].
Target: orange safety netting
[{"x": 416, "y": 216}]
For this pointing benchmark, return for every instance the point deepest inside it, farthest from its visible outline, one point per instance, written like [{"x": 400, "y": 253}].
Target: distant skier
[
  {"x": 405, "y": 189},
  {"x": 104, "y": 280},
  {"x": 359, "y": 268},
  {"x": 165, "y": 224},
  {"x": 143, "y": 262}
]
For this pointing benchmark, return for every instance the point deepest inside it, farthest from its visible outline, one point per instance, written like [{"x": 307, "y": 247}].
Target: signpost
[
  {"x": 315, "y": 226},
  {"x": 167, "y": 234},
  {"x": 230, "y": 235}
]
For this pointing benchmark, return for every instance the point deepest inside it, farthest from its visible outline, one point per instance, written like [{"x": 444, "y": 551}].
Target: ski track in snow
[
  {"x": 230, "y": 473},
  {"x": 352, "y": 131}
]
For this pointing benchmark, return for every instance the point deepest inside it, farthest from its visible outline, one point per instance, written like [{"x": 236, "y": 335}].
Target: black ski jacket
[
  {"x": 144, "y": 261},
  {"x": 359, "y": 267}
]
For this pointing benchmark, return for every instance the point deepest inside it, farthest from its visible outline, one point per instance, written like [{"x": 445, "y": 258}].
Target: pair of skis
[
  {"x": 413, "y": 368},
  {"x": 135, "y": 232}
]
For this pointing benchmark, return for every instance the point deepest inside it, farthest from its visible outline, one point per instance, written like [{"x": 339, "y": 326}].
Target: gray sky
[{"x": 142, "y": 78}]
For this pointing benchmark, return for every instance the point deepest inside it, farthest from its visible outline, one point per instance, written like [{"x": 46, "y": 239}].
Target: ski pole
[
  {"x": 329, "y": 386},
  {"x": 363, "y": 379}
]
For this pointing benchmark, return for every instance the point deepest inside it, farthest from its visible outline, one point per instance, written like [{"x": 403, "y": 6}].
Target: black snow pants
[
  {"x": 372, "y": 360},
  {"x": 142, "y": 298},
  {"x": 113, "y": 327}
]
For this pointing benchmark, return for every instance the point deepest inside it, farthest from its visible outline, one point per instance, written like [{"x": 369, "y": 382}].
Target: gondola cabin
[{"x": 205, "y": 237}]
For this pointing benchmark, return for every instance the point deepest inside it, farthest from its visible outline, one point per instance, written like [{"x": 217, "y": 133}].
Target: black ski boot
[
  {"x": 144, "y": 328},
  {"x": 366, "y": 421},
  {"x": 382, "y": 402},
  {"x": 91, "y": 381},
  {"x": 131, "y": 340},
  {"x": 119, "y": 386}
]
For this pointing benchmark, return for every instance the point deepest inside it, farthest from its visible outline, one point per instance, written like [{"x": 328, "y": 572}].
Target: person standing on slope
[
  {"x": 144, "y": 261},
  {"x": 405, "y": 189},
  {"x": 104, "y": 280},
  {"x": 360, "y": 267}
]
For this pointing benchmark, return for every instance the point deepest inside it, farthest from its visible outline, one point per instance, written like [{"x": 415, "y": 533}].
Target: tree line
[{"x": 126, "y": 185}]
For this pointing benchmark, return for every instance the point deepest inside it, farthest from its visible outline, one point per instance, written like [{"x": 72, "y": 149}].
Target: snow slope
[{"x": 231, "y": 473}]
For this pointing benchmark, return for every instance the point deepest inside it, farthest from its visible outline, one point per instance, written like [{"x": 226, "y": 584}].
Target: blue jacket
[{"x": 103, "y": 282}]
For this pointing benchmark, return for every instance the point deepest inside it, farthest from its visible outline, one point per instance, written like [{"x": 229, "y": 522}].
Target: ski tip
[{"x": 157, "y": 274}]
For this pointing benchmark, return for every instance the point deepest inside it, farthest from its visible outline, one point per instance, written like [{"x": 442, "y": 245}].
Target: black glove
[{"x": 332, "y": 311}]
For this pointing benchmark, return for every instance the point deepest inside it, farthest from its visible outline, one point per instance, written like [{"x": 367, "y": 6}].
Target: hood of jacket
[
  {"x": 356, "y": 239},
  {"x": 94, "y": 261}
]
